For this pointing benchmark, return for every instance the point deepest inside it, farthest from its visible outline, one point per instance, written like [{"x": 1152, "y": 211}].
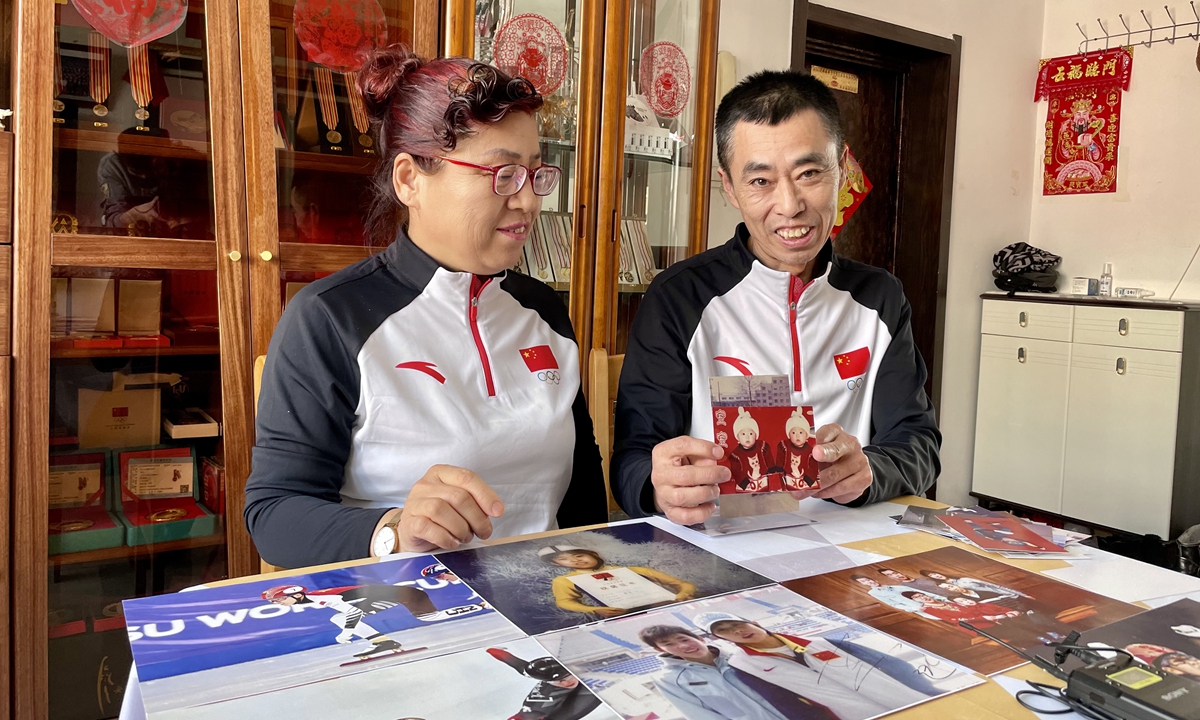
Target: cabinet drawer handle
[
  {"x": 1121, "y": 366},
  {"x": 1023, "y": 319},
  {"x": 1020, "y": 355},
  {"x": 1123, "y": 327}
]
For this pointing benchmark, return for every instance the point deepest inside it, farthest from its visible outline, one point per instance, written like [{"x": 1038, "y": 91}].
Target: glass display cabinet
[{"x": 182, "y": 175}]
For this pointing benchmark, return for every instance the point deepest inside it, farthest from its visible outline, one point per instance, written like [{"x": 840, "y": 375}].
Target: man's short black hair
[
  {"x": 771, "y": 97},
  {"x": 655, "y": 634}
]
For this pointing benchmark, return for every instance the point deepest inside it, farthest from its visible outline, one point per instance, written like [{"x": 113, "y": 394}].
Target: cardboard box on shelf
[
  {"x": 124, "y": 416},
  {"x": 139, "y": 307},
  {"x": 60, "y": 308},
  {"x": 212, "y": 473},
  {"x": 92, "y": 303},
  {"x": 184, "y": 423}
]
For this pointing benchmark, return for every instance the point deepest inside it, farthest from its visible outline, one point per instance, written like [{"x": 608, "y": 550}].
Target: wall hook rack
[{"x": 1147, "y": 36}]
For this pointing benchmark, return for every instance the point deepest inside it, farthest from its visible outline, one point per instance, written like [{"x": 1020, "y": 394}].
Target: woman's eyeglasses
[{"x": 509, "y": 179}]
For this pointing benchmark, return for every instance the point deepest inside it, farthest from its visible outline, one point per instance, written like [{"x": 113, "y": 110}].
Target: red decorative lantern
[
  {"x": 530, "y": 46},
  {"x": 133, "y": 22},
  {"x": 665, "y": 79},
  {"x": 340, "y": 34}
]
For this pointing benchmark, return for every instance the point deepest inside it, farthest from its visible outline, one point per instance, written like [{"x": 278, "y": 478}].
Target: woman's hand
[{"x": 445, "y": 508}]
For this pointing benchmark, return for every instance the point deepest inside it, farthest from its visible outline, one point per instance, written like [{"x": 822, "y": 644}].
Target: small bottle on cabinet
[{"x": 1106, "y": 281}]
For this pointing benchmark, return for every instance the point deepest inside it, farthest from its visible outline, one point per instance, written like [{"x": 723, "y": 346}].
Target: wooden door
[
  {"x": 900, "y": 127},
  {"x": 871, "y": 117},
  {"x": 131, "y": 311},
  {"x": 1121, "y": 423},
  {"x": 1020, "y": 425}
]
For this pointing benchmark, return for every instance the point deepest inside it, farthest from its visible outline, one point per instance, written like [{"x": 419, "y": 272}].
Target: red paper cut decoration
[
  {"x": 530, "y": 46},
  {"x": 340, "y": 34},
  {"x": 133, "y": 22},
  {"x": 665, "y": 79},
  {"x": 853, "y": 191},
  {"x": 1083, "y": 120}
]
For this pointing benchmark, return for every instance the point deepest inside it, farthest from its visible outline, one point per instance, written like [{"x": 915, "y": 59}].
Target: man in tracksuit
[{"x": 774, "y": 300}]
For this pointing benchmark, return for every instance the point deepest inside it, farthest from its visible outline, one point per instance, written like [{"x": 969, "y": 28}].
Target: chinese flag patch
[
  {"x": 826, "y": 655},
  {"x": 539, "y": 357},
  {"x": 853, "y": 363}
]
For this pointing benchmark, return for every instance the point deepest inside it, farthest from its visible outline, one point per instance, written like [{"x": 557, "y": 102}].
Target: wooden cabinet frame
[{"x": 36, "y": 250}]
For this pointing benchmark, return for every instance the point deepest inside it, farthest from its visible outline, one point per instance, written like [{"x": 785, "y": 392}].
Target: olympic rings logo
[
  {"x": 550, "y": 377},
  {"x": 854, "y": 384}
]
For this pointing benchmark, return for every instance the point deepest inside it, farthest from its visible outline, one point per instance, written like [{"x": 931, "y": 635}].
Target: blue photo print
[
  {"x": 227, "y": 642},
  {"x": 577, "y": 578}
]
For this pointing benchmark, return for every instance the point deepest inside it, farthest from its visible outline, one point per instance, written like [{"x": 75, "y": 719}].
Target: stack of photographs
[
  {"x": 628, "y": 621},
  {"x": 993, "y": 531}
]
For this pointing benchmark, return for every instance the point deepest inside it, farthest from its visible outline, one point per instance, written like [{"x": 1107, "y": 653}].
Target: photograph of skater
[
  {"x": 222, "y": 643},
  {"x": 351, "y": 605},
  {"x": 558, "y": 695},
  {"x": 584, "y": 577},
  {"x": 514, "y": 680},
  {"x": 765, "y": 654},
  {"x": 922, "y": 598}
]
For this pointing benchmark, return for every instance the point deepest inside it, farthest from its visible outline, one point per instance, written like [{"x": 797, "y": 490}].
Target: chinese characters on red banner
[{"x": 1083, "y": 120}]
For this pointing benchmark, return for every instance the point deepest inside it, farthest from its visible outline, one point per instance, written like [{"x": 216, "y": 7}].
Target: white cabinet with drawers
[{"x": 1090, "y": 409}]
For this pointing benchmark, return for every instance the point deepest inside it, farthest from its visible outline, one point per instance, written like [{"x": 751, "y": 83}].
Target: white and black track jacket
[
  {"x": 844, "y": 339},
  {"x": 395, "y": 364}
]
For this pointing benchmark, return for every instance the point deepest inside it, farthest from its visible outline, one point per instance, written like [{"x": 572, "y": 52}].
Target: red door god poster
[{"x": 1083, "y": 120}]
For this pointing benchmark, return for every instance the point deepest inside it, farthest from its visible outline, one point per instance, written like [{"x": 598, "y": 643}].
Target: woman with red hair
[{"x": 428, "y": 395}]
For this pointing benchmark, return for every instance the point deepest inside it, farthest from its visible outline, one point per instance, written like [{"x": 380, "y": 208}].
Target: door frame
[{"x": 929, "y": 131}]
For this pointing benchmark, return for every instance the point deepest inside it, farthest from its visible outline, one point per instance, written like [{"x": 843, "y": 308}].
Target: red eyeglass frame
[{"x": 495, "y": 170}]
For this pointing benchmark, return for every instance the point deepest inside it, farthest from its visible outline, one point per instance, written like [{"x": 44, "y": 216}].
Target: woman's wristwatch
[{"x": 387, "y": 538}]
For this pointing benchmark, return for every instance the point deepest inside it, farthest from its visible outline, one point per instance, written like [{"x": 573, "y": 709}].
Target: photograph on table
[
  {"x": 221, "y": 643},
  {"x": 921, "y": 599},
  {"x": 930, "y": 519},
  {"x": 1167, "y": 638},
  {"x": 768, "y": 442},
  {"x": 577, "y": 578},
  {"x": 516, "y": 680},
  {"x": 765, "y": 654},
  {"x": 1000, "y": 534}
]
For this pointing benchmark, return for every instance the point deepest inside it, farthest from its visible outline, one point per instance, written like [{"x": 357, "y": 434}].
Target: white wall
[
  {"x": 759, "y": 39},
  {"x": 1150, "y": 228}
]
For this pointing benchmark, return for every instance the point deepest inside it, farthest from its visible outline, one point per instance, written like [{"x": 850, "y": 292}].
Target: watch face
[{"x": 385, "y": 542}]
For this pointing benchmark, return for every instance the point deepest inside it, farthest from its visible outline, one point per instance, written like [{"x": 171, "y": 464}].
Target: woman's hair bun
[{"x": 382, "y": 76}]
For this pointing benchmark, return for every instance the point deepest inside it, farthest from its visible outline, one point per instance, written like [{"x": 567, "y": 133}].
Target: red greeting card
[
  {"x": 1000, "y": 534},
  {"x": 768, "y": 442}
]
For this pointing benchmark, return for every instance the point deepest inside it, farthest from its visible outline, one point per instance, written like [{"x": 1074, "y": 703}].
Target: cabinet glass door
[
  {"x": 136, "y": 469},
  {"x": 666, "y": 152},
  {"x": 543, "y": 41},
  {"x": 311, "y": 151}
]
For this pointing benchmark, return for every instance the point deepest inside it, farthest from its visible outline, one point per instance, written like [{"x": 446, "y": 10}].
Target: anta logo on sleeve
[
  {"x": 736, "y": 363},
  {"x": 541, "y": 362},
  {"x": 851, "y": 366},
  {"x": 425, "y": 367}
]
